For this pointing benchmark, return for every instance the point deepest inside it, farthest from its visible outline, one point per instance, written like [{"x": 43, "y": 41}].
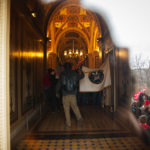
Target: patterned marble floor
[{"x": 121, "y": 143}]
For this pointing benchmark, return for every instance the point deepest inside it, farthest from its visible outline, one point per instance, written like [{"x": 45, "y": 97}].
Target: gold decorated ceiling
[{"x": 72, "y": 17}]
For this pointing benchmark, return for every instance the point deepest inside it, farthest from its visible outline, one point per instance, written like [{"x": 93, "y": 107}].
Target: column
[{"x": 4, "y": 75}]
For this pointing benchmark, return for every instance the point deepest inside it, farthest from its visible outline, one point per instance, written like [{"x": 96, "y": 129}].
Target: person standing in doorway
[
  {"x": 68, "y": 83},
  {"x": 47, "y": 88}
]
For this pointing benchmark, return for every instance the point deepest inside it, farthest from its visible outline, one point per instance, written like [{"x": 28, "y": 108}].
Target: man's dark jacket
[{"x": 68, "y": 82}]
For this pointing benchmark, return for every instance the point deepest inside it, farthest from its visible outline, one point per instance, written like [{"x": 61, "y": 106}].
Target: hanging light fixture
[
  {"x": 81, "y": 53},
  {"x": 73, "y": 53},
  {"x": 77, "y": 52},
  {"x": 65, "y": 53}
]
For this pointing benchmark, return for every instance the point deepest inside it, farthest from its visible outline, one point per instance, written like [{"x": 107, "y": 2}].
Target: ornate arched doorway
[{"x": 72, "y": 27}]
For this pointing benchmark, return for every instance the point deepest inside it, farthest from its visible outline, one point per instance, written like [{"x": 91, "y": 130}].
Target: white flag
[{"x": 96, "y": 79}]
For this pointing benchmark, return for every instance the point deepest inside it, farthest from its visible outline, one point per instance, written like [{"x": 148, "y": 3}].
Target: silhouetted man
[{"x": 68, "y": 83}]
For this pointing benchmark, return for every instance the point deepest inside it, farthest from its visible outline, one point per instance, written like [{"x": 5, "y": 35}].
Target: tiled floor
[
  {"x": 98, "y": 131},
  {"x": 122, "y": 143}
]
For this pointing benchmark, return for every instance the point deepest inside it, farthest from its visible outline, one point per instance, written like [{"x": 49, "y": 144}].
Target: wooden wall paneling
[
  {"x": 31, "y": 49},
  {"x": 13, "y": 68},
  {"x": 26, "y": 73},
  {"x": 34, "y": 49},
  {"x": 21, "y": 63},
  {"x": 26, "y": 69},
  {"x": 20, "y": 40},
  {"x": 22, "y": 67},
  {"x": 39, "y": 76},
  {"x": 34, "y": 72},
  {"x": 37, "y": 68},
  {"x": 41, "y": 71}
]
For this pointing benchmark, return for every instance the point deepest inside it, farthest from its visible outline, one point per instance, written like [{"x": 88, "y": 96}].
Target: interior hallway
[{"x": 45, "y": 35}]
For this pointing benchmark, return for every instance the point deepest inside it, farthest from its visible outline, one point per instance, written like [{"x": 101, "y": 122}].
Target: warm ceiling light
[
  {"x": 33, "y": 14},
  {"x": 73, "y": 53},
  {"x": 77, "y": 52},
  {"x": 65, "y": 53},
  {"x": 70, "y": 52},
  {"x": 81, "y": 53}
]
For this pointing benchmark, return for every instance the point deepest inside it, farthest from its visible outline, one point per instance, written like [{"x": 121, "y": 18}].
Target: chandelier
[{"x": 73, "y": 53}]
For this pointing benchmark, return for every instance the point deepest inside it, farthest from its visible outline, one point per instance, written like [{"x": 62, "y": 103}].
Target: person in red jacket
[{"x": 143, "y": 122}]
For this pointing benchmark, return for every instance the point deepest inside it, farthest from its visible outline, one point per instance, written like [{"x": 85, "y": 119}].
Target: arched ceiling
[
  {"x": 56, "y": 17},
  {"x": 66, "y": 41},
  {"x": 45, "y": 9},
  {"x": 65, "y": 15},
  {"x": 70, "y": 16}
]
